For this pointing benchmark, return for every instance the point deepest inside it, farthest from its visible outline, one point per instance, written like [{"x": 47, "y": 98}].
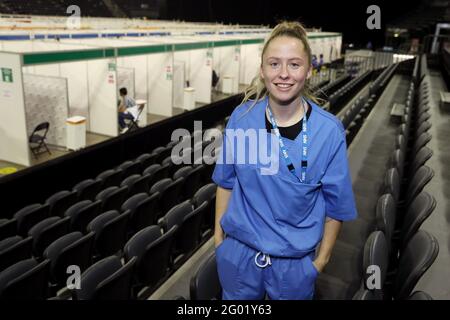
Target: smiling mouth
[{"x": 283, "y": 85}]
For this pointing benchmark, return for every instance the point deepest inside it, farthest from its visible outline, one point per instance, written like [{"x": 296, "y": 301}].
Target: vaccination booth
[
  {"x": 190, "y": 70},
  {"x": 50, "y": 82},
  {"x": 142, "y": 70}
]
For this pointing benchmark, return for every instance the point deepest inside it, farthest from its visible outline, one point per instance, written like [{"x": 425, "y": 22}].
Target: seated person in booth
[{"x": 127, "y": 109}]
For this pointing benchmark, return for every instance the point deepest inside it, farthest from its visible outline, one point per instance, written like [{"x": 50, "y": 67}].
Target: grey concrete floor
[
  {"x": 377, "y": 131},
  {"x": 178, "y": 283},
  {"x": 362, "y": 92}
]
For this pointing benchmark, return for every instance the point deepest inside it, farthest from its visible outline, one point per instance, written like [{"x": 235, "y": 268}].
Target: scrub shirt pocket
[
  {"x": 290, "y": 201},
  {"x": 296, "y": 202}
]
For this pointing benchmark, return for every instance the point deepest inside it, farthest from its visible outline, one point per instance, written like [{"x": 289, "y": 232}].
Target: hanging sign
[{"x": 7, "y": 75}]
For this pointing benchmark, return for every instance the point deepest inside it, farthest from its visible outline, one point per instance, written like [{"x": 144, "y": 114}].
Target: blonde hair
[{"x": 257, "y": 89}]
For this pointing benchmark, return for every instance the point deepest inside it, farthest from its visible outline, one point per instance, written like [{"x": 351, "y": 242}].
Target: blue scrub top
[{"x": 272, "y": 211}]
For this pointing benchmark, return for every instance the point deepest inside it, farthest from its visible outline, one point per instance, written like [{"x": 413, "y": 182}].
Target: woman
[{"x": 269, "y": 222}]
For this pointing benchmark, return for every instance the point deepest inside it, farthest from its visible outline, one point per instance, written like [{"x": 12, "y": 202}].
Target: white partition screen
[
  {"x": 46, "y": 101},
  {"x": 13, "y": 132},
  {"x": 139, "y": 64},
  {"x": 160, "y": 83},
  {"x": 226, "y": 64},
  {"x": 178, "y": 83},
  {"x": 338, "y": 44},
  {"x": 201, "y": 74},
  {"x": 103, "y": 97},
  {"x": 125, "y": 79},
  {"x": 77, "y": 82},
  {"x": 249, "y": 62},
  {"x": 217, "y": 61}
]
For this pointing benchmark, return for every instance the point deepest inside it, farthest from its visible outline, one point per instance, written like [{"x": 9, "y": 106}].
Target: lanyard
[{"x": 304, "y": 139}]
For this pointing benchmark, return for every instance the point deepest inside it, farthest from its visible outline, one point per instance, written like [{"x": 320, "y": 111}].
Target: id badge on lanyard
[{"x": 304, "y": 140}]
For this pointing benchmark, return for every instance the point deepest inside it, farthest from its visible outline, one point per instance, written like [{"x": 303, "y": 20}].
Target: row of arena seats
[
  {"x": 332, "y": 86},
  {"x": 318, "y": 87},
  {"x": 383, "y": 79},
  {"x": 338, "y": 98},
  {"x": 423, "y": 68},
  {"x": 420, "y": 69},
  {"x": 390, "y": 234},
  {"x": 355, "y": 116},
  {"x": 127, "y": 179},
  {"x": 359, "y": 110},
  {"x": 148, "y": 206},
  {"x": 386, "y": 236}
]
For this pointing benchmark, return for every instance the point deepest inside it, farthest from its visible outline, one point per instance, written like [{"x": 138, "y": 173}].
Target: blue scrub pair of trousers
[
  {"x": 122, "y": 117},
  {"x": 283, "y": 279}
]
